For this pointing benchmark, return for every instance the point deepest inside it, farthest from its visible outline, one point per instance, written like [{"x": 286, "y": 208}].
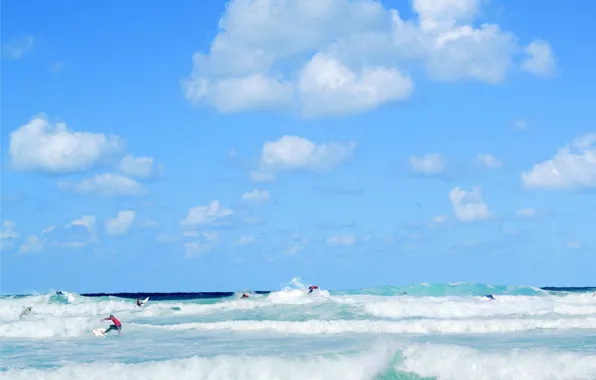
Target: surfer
[
  {"x": 311, "y": 288},
  {"x": 244, "y": 295},
  {"x": 139, "y": 303},
  {"x": 116, "y": 326},
  {"x": 27, "y": 310}
]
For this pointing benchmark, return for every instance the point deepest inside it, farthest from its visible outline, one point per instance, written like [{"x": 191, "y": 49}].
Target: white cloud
[
  {"x": 296, "y": 153},
  {"x": 87, "y": 221},
  {"x": 32, "y": 244},
  {"x": 573, "y": 167},
  {"x": 139, "y": 167},
  {"x": 520, "y": 124},
  {"x": 41, "y": 146},
  {"x": 7, "y": 235},
  {"x": 256, "y": 196},
  {"x": 540, "y": 59},
  {"x": 230, "y": 95},
  {"x": 431, "y": 164},
  {"x": 212, "y": 213},
  {"x": 48, "y": 229},
  {"x": 309, "y": 56},
  {"x": 206, "y": 242},
  {"x": 439, "y": 219},
  {"x": 121, "y": 223},
  {"x": 297, "y": 244},
  {"x": 341, "y": 240},
  {"x": 328, "y": 87},
  {"x": 245, "y": 240},
  {"x": 8, "y": 231},
  {"x": 17, "y": 47},
  {"x": 489, "y": 161},
  {"x": 256, "y": 176},
  {"x": 468, "y": 206},
  {"x": 526, "y": 213},
  {"x": 105, "y": 185}
]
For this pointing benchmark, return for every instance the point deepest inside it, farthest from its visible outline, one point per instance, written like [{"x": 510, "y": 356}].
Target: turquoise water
[{"x": 436, "y": 331}]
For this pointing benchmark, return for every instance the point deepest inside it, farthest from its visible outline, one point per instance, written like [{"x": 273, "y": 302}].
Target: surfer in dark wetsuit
[
  {"x": 312, "y": 288},
  {"x": 139, "y": 304},
  {"x": 116, "y": 326}
]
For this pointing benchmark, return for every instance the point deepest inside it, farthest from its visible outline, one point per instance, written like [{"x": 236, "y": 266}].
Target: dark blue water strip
[
  {"x": 169, "y": 296},
  {"x": 208, "y": 295}
]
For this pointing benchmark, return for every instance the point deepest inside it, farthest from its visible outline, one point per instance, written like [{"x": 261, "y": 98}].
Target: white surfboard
[
  {"x": 99, "y": 332},
  {"x": 143, "y": 302}
]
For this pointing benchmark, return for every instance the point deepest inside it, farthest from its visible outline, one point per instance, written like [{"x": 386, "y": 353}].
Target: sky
[{"x": 353, "y": 143}]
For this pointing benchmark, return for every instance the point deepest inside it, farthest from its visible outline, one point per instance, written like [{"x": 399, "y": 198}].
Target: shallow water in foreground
[{"x": 442, "y": 332}]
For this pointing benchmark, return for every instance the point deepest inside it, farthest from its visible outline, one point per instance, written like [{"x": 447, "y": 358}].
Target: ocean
[{"x": 434, "y": 332}]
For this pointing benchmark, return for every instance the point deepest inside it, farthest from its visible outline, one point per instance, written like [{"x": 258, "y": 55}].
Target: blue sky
[{"x": 223, "y": 146}]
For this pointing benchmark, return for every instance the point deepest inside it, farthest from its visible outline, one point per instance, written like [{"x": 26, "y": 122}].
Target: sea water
[{"x": 436, "y": 331}]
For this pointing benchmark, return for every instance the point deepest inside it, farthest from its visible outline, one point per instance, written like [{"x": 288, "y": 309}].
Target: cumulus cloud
[
  {"x": 138, "y": 167},
  {"x": 88, "y": 222},
  {"x": 297, "y": 153},
  {"x": 341, "y": 240},
  {"x": 109, "y": 185},
  {"x": 489, "y": 161},
  {"x": 7, "y": 235},
  {"x": 540, "y": 59},
  {"x": 212, "y": 213},
  {"x": 18, "y": 46},
  {"x": 468, "y": 206},
  {"x": 308, "y": 57},
  {"x": 40, "y": 146},
  {"x": 32, "y": 244},
  {"x": 573, "y": 167},
  {"x": 204, "y": 242},
  {"x": 121, "y": 223},
  {"x": 430, "y": 164},
  {"x": 256, "y": 196},
  {"x": 328, "y": 87}
]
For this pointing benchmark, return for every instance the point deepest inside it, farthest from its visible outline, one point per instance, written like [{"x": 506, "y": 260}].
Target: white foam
[
  {"x": 311, "y": 327},
  {"x": 466, "y": 307},
  {"x": 448, "y": 362},
  {"x": 219, "y": 368},
  {"x": 441, "y": 362},
  {"x": 49, "y": 327}
]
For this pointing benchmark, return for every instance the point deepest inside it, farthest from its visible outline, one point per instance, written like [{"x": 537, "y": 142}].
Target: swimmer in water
[
  {"x": 244, "y": 295},
  {"x": 26, "y": 311}
]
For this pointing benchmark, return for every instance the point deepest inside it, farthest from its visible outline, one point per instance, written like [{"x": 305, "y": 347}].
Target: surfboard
[
  {"x": 99, "y": 332},
  {"x": 143, "y": 302}
]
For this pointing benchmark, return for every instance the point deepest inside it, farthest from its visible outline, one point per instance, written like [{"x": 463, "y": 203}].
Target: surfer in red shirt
[{"x": 116, "y": 326}]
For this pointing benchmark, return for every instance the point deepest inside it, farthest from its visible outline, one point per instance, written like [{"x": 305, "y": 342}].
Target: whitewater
[{"x": 416, "y": 332}]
